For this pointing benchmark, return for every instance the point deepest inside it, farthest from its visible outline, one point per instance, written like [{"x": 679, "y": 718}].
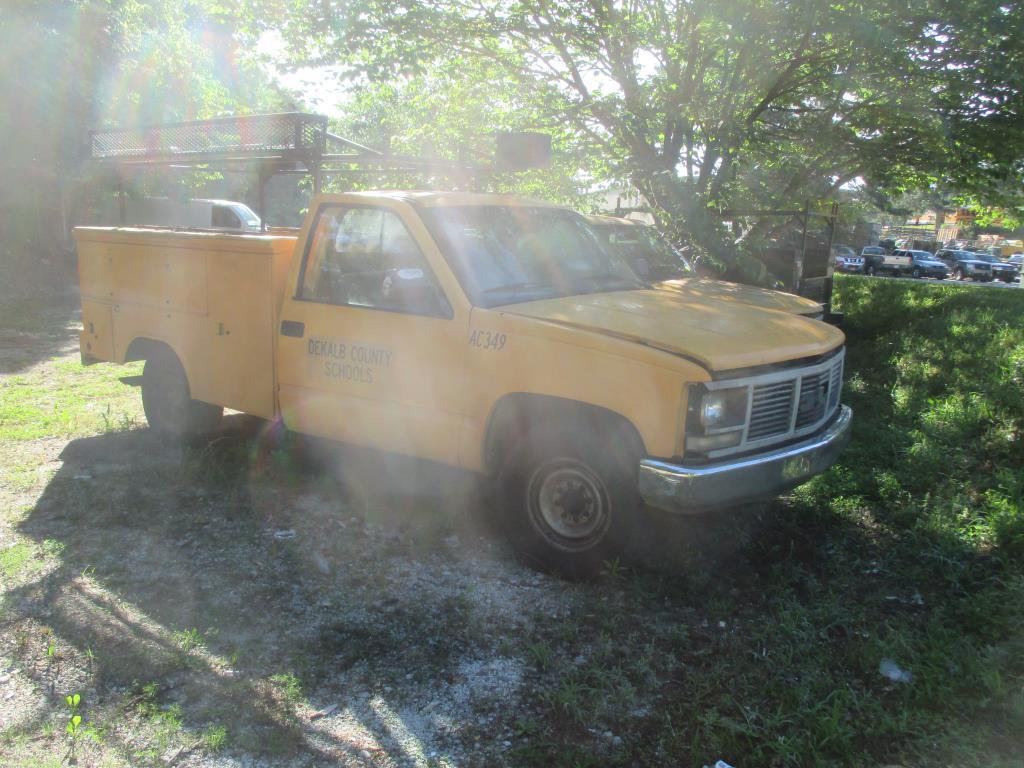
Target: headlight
[
  {"x": 712, "y": 409},
  {"x": 723, "y": 408},
  {"x": 716, "y": 418}
]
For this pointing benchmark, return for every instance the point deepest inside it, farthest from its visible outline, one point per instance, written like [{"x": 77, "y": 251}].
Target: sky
[{"x": 319, "y": 88}]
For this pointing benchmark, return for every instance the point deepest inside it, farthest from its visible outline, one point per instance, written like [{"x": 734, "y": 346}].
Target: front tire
[
  {"x": 570, "y": 502},
  {"x": 168, "y": 403},
  {"x": 958, "y": 274},
  {"x": 870, "y": 270}
]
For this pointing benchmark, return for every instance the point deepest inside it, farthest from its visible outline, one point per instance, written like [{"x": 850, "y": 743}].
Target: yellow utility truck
[{"x": 480, "y": 331}]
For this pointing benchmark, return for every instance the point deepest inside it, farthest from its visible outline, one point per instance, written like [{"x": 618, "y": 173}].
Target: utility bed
[{"x": 212, "y": 297}]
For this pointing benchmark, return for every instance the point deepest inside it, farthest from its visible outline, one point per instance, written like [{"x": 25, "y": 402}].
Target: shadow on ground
[{"x": 218, "y": 570}]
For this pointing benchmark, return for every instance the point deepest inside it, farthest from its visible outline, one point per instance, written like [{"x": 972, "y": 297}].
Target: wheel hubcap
[{"x": 568, "y": 504}]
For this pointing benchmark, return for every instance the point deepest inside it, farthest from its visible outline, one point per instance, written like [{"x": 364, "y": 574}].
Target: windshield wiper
[
  {"x": 606, "y": 277},
  {"x": 520, "y": 286}
]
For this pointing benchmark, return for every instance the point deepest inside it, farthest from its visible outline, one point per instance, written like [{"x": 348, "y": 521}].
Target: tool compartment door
[
  {"x": 240, "y": 329},
  {"x": 370, "y": 348}
]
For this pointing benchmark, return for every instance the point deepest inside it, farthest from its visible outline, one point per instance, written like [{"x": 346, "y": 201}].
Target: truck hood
[
  {"x": 720, "y": 335},
  {"x": 697, "y": 288}
]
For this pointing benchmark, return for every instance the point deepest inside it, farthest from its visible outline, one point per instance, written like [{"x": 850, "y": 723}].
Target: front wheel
[
  {"x": 958, "y": 274},
  {"x": 570, "y": 503},
  {"x": 168, "y": 403},
  {"x": 870, "y": 270}
]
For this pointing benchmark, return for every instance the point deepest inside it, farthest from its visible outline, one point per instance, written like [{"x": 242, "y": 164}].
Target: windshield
[
  {"x": 510, "y": 254},
  {"x": 986, "y": 257}
]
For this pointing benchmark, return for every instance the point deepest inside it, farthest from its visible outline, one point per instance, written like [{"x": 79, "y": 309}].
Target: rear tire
[
  {"x": 958, "y": 274},
  {"x": 167, "y": 401},
  {"x": 570, "y": 501},
  {"x": 916, "y": 273},
  {"x": 870, "y": 270}
]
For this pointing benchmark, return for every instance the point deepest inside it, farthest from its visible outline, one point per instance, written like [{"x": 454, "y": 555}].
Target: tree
[
  {"x": 700, "y": 103},
  {"x": 79, "y": 64},
  {"x": 451, "y": 112}
]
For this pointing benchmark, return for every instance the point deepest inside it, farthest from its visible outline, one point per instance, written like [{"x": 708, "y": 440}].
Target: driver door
[{"x": 370, "y": 349}]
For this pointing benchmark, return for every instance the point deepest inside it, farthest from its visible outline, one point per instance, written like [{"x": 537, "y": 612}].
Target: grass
[{"x": 68, "y": 400}]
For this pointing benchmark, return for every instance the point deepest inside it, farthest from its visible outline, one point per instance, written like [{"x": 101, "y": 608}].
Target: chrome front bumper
[{"x": 681, "y": 488}]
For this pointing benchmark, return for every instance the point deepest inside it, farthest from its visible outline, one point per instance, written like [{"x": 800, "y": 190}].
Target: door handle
[{"x": 293, "y": 328}]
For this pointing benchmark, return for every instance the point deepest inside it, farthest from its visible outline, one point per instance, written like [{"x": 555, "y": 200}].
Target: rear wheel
[
  {"x": 167, "y": 401},
  {"x": 916, "y": 272},
  {"x": 570, "y": 502},
  {"x": 870, "y": 269},
  {"x": 958, "y": 274}
]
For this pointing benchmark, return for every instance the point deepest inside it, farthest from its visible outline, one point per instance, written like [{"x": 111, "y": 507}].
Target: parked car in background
[
  {"x": 964, "y": 264},
  {"x": 227, "y": 215},
  {"x": 924, "y": 264},
  {"x": 1018, "y": 261},
  {"x": 845, "y": 259},
  {"x": 1001, "y": 270},
  {"x": 876, "y": 261}
]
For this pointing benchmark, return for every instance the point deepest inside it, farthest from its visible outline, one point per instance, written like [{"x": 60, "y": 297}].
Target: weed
[
  {"x": 290, "y": 687},
  {"x": 90, "y": 657},
  {"x": 189, "y": 640},
  {"x": 613, "y": 569},
  {"x": 54, "y": 657},
  {"x": 569, "y": 698},
  {"x": 73, "y": 729},
  {"x": 215, "y": 738},
  {"x": 53, "y": 548},
  {"x": 540, "y": 653}
]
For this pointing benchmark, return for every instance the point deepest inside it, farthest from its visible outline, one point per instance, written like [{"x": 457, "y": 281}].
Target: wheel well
[
  {"x": 143, "y": 349},
  {"x": 514, "y": 415}
]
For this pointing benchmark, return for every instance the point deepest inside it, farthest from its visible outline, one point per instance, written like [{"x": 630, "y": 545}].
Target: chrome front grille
[
  {"x": 770, "y": 409},
  {"x": 814, "y": 390},
  {"x": 785, "y": 404}
]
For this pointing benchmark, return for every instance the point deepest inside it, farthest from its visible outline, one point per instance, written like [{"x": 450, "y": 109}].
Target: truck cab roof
[{"x": 437, "y": 199}]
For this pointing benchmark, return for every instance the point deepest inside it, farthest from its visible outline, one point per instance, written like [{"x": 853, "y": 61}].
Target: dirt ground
[{"x": 254, "y": 600}]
